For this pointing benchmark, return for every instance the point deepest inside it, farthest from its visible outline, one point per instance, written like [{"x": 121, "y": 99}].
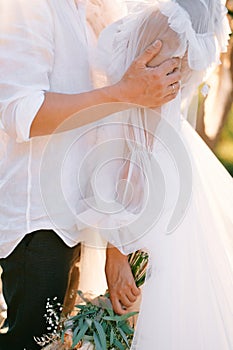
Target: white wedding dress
[{"x": 181, "y": 209}]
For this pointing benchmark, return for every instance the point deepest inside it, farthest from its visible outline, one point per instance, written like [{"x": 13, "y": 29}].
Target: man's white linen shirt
[{"x": 43, "y": 47}]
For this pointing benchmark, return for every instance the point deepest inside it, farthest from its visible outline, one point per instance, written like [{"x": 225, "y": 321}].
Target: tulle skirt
[{"x": 187, "y": 301}]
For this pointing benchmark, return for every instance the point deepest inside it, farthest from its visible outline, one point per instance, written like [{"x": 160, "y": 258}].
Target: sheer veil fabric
[
  {"x": 197, "y": 34},
  {"x": 182, "y": 204}
]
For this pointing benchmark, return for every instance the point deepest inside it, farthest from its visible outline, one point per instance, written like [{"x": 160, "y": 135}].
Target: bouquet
[{"x": 95, "y": 326}]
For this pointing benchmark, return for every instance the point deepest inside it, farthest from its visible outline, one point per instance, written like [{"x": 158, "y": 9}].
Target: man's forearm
[
  {"x": 58, "y": 108},
  {"x": 139, "y": 86}
]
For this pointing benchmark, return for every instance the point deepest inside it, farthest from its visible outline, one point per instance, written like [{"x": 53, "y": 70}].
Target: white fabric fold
[
  {"x": 203, "y": 47},
  {"x": 27, "y": 111},
  {"x": 27, "y": 59},
  {"x": 43, "y": 48},
  {"x": 203, "y": 50},
  {"x": 122, "y": 42},
  {"x": 20, "y": 114},
  {"x": 187, "y": 299}
]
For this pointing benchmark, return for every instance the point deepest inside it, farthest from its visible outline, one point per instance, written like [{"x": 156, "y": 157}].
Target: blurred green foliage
[{"x": 224, "y": 147}]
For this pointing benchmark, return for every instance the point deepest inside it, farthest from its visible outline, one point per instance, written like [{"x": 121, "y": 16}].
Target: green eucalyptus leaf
[
  {"x": 111, "y": 336},
  {"x": 81, "y": 322},
  {"x": 81, "y": 307},
  {"x": 118, "y": 344},
  {"x": 63, "y": 336},
  {"x": 105, "y": 326},
  {"x": 89, "y": 322},
  {"x": 82, "y": 315},
  {"x": 118, "y": 318},
  {"x": 110, "y": 312},
  {"x": 88, "y": 338},
  {"x": 80, "y": 335},
  {"x": 76, "y": 331},
  {"x": 124, "y": 336},
  {"x": 102, "y": 335},
  {"x": 126, "y": 328},
  {"x": 96, "y": 341}
]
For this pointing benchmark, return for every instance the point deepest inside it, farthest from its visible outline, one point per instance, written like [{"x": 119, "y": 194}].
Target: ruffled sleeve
[
  {"x": 203, "y": 48},
  {"x": 222, "y": 27}
]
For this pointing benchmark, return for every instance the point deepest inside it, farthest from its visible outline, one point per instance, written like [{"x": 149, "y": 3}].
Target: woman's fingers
[
  {"x": 127, "y": 301},
  {"x": 121, "y": 285},
  {"x": 123, "y": 299},
  {"x": 135, "y": 290},
  {"x": 117, "y": 306}
]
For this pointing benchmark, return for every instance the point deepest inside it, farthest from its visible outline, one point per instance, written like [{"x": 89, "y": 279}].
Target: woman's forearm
[{"x": 121, "y": 285}]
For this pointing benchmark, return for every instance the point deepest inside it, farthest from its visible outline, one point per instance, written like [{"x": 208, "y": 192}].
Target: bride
[{"x": 181, "y": 209}]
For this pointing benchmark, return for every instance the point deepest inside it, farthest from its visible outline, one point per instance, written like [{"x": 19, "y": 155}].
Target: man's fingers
[
  {"x": 173, "y": 89},
  {"x": 170, "y": 66},
  {"x": 150, "y": 52},
  {"x": 169, "y": 97},
  {"x": 173, "y": 78}
]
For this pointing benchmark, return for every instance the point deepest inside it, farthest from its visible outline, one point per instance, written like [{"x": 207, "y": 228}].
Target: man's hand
[
  {"x": 150, "y": 86},
  {"x": 122, "y": 288}
]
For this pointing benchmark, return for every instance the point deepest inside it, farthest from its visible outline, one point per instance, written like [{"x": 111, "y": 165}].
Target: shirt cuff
[{"x": 26, "y": 112}]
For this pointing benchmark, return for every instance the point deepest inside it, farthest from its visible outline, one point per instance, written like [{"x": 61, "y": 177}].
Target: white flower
[{"x": 205, "y": 90}]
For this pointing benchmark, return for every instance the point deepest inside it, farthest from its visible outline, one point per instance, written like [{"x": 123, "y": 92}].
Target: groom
[{"x": 44, "y": 79}]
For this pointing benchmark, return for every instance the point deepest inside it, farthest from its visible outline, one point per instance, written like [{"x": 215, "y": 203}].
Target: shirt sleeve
[{"x": 26, "y": 61}]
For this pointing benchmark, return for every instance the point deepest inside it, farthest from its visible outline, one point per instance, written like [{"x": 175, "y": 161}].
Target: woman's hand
[
  {"x": 122, "y": 288},
  {"x": 150, "y": 86}
]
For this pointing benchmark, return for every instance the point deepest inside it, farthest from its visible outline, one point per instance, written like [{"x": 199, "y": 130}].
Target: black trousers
[{"x": 37, "y": 269}]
